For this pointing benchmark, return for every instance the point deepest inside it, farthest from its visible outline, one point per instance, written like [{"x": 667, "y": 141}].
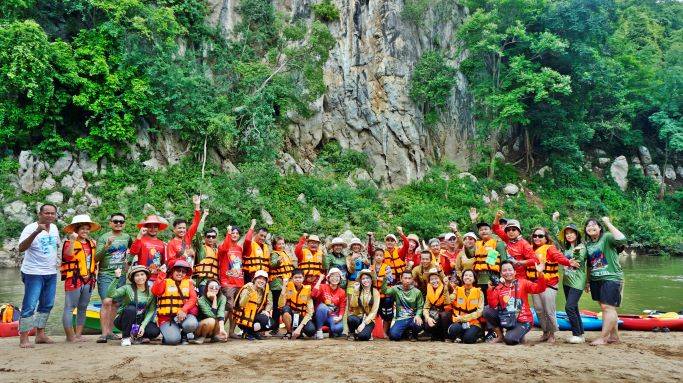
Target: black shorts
[
  {"x": 386, "y": 308},
  {"x": 607, "y": 292}
]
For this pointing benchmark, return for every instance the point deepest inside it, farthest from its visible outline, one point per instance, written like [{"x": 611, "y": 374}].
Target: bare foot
[
  {"x": 25, "y": 343},
  {"x": 612, "y": 340},
  {"x": 544, "y": 337},
  {"x": 551, "y": 339},
  {"x": 80, "y": 339},
  {"x": 71, "y": 339},
  {"x": 43, "y": 340},
  {"x": 599, "y": 342},
  {"x": 496, "y": 340}
]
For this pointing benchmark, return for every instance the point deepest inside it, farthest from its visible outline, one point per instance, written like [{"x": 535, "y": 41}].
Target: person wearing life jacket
[
  {"x": 466, "y": 258},
  {"x": 409, "y": 306},
  {"x": 489, "y": 253},
  {"x": 180, "y": 246},
  {"x": 281, "y": 266},
  {"x": 437, "y": 305},
  {"x": 78, "y": 270},
  {"x": 420, "y": 272},
  {"x": 574, "y": 279},
  {"x": 363, "y": 306},
  {"x": 508, "y": 304},
  {"x": 413, "y": 257},
  {"x": 335, "y": 258},
  {"x": 135, "y": 316},
  {"x": 207, "y": 265},
  {"x": 254, "y": 306},
  {"x": 330, "y": 304},
  {"x": 450, "y": 251},
  {"x": 518, "y": 250},
  {"x": 211, "y": 314},
  {"x": 468, "y": 306},
  {"x": 256, "y": 252},
  {"x": 147, "y": 249},
  {"x": 545, "y": 302},
  {"x": 176, "y": 302},
  {"x": 395, "y": 257},
  {"x": 381, "y": 271},
  {"x": 296, "y": 307},
  {"x": 230, "y": 273},
  {"x": 310, "y": 257},
  {"x": 605, "y": 274}
]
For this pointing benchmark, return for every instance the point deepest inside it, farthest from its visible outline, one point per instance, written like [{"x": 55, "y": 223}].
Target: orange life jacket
[
  {"x": 258, "y": 259},
  {"x": 311, "y": 264},
  {"x": 78, "y": 266},
  {"x": 551, "y": 269},
  {"x": 379, "y": 278},
  {"x": 397, "y": 264},
  {"x": 466, "y": 304},
  {"x": 481, "y": 253},
  {"x": 283, "y": 269},
  {"x": 174, "y": 296},
  {"x": 257, "y": 302},
  {"x": 207, "y": 268},
  {"x": 297, "y": 300},
  {"x": 7, "y": 313},
  {"x": 437, "y": 298}
]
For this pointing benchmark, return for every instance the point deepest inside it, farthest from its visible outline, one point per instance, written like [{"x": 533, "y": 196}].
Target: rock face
[
  {"x": 367, "y": 107},
  {"x": 619, "y": 171},
  {"x": 645, "y": 155}
]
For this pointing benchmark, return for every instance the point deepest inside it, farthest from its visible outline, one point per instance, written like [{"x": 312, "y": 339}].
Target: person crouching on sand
[
  {"x": 176, "y": 303},
  {"x": 136, "y": 312},
  {"x": 296, "y": 307},
  {"x": 254, "y": 306},
  {"x": 211, "y": 314},
  {"x": 363, "y": 306}
]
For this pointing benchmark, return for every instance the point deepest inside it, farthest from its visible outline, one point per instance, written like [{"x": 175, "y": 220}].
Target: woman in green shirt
[
  {"x": 134, "y": 317},
  {"x": 606, "y": 276},
  {"x": 211, "y": 314}
]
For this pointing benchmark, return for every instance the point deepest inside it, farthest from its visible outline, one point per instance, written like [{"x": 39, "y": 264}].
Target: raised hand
[
  {"x": 196, "y": 200},
  {"x": 453, "y": 226},
  {"x": 253, "y": 223},
  {"x": 42, "y": 227},
  {"x": 399, "y": 230},
  {"x": 556, "y": 216}
]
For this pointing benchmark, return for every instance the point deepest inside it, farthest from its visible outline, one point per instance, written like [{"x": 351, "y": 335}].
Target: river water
[{"x": 650, "y": 283}]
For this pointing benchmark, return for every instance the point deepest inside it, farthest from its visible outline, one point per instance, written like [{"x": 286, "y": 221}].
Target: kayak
[
  {"x": 672, "y": 321},
  {"x": 92, "y": 319},
  {"x": 12, "y": 329},
  {"x": 590, "y": 322}
]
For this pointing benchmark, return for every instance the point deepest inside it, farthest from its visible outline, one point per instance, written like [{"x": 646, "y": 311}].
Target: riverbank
[{"x": 642, "y": 356}]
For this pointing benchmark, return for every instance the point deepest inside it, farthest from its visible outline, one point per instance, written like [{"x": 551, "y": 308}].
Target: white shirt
[{"x": 41, "y": 256}]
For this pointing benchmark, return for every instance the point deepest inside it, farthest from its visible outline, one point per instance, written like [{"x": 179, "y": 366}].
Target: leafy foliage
[
  {"x": 431, "y": 83},
  {"x": 326, "y": 11}
]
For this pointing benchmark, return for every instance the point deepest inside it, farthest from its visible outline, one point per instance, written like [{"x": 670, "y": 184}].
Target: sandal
[
  {"x": 102, "y": 339},
  {"x": 287, "y": 336},
  {"x": 113, "y": 337}
]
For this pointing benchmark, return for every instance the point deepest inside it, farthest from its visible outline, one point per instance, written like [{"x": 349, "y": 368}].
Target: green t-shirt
[
  {"x": 146, "y": 303},
  {"x": 114, "y": 256},
  {"x": 409, "y": 303},
  {"x": 572, "y": 277},
  {"x": 603, "y": 259}
]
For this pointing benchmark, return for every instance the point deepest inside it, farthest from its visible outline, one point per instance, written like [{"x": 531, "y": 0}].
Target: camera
[{"x": 495, "y": 280}]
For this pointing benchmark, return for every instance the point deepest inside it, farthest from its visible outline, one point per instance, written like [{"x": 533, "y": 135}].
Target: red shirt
[
  {"x": 519, "y": 249},
  {"x": 71, "y": 284},
  {"x": 150, "y": 252},
  {"x": 447, "y": 261},
  {"x": 175, "y": 245},
  {"x": 504, "y": 292},
  {"x": 337, "y": 297},
  {"x": 189, "y": 306},
  {"x": 230, "y": 263}
]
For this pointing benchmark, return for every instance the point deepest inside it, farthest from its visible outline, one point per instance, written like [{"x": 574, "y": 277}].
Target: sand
[{"x": 641, "y": 357}]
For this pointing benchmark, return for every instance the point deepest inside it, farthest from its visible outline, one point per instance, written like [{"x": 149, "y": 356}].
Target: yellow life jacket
[
  {"x": 379, "y": 278},
  {"x": 257, "y": 302},
  {"x": 283, "y": 269},
  {"x": 394, "y": 260},
  {"x": 174, "y": 296},
  {"x": 551, "y": 269},
  {"x": 311, "y": 264},
  {"x": 467, "y": 304},
  {"x": 359, "y": 306},
  {"x": 298, "y": 300},
  {"x": 207, "y": 268},
  {"x": 481, "y": 253},
  {"x": 437, "y": 298},
  {"x": 436, "y": 257},
  {"x": 258, "y": 259},
  {"x": 78, "y": 266}
]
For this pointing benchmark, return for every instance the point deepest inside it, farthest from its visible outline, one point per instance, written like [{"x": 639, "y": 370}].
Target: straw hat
[
  {"x": 81, "y": 219},
  {"x": 135, "y": 269},
  {"x": 154, "y": 219},
  {"x": 338, "y": 241},
  {"x": 313, "y": 238},
  {"x": 392, "y": 237},
  {"x": 367, "y": 272},
  {"x": 414, "y": 237}
]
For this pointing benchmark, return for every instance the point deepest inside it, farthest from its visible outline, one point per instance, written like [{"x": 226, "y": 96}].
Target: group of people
[{"x": 462, "y": 287}]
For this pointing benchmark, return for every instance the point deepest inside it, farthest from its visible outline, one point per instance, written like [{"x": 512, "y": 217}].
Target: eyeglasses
[
  {"x": 538, "y": 236},
  {"x": 211, "y": 236},
  {"x": 118, "y": 221}
]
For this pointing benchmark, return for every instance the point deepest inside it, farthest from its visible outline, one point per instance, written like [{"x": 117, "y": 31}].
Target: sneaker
[
  {"x": 198, "y": 340},
  {"x": 125, "y": 342},
  {"x": 319, "y": 335},
  {"x": 576, "y": 339}
]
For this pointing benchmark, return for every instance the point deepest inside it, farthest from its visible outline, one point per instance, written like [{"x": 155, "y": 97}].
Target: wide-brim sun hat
[
  {"x": 560, "y": 235},
  {"x": 136, "y": 269},
  {"x": 338, "y": 241},
  {"x": 391, "y": 236},
  {"x": 367, "y": 272},
  {"x": 513, "y": 223},
  {"x": 313, "y": 238},
  {"x": 471, "y": 235},
  {"x": 414, "y": 237},
  {"x": 333, "y": 271},
  {"x": 449, "y": 236},
  {"x": 80, "y": 219},
  {"x": 261, "y": 273},
  {"x": 356, "y": 241},
  {"x": 153, "y": 219}
]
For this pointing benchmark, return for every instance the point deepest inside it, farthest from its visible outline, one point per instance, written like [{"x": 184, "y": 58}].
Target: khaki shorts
[{"x": 230, "y": 294}]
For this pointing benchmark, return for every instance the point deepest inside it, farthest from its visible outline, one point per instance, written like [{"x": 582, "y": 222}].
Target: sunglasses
[
  {"x": 511, "y": 229},
  {"x": 538, "y": 236},
  {"x": 118, "y": 221},
  {"x": 211, "y": 236}
]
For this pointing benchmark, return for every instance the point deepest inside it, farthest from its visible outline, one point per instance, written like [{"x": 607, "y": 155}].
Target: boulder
[
  {"x": 18, "y": 211},
  {"x": 347, "y": 236},
  {"x": 315, "y": 215},
  {"x": 254, "y": 192},
  {"x": 669, "y": 172},
  {"x": 288, "y": 165},
  {"x": 635, "y": 160},
  {"x": 486, "y": 199},
  {"x": 494, "y": 195},
  {"x": 130, "y": 189},
  {"x": 645, "y": 155},
  {"x": 653, "y": 171},
  {"x": 75, "y": 181},
  {"x": 62, "y": 164},
  {"x": 360, "y": 175},
  {"x": 511, "y": 189},
  {"x": 619, "y": 171},
  {"x": 266, "y": 217},
  {"x": 468, "y": 175},
  {"x": 603, "y": 161},
  {"x": 49, "y": 183},
  {"x": 86, "y": 165},
  {"x": 30, "y": 172},
  {"x": 55, "y": 198},
  {"x": 301, "y": 198},
  {"x": 679, "y": 171},
  {"x": 9, "y": 253}
]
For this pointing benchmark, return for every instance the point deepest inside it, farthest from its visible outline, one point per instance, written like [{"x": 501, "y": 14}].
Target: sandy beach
[{"x": 641, "y": 356}]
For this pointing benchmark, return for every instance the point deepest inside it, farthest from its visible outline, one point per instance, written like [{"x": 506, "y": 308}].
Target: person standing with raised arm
[
  {"x": 256, "y": 252},
  {"x": 39, "y": 241},
  {"x": 180, "y": 246},
  {"x": 231, "y": 275},
  {"x": 519, "y": 251}
]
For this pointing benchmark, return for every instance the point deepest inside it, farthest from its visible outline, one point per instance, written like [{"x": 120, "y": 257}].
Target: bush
[{"x": 326, "y": 11}]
